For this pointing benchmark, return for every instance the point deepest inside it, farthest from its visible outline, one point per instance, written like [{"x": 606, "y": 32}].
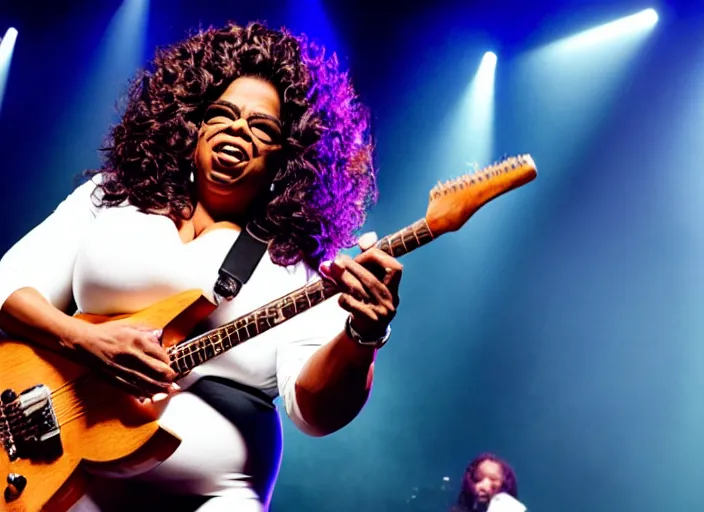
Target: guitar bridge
[{"x": 28, "y": 425}]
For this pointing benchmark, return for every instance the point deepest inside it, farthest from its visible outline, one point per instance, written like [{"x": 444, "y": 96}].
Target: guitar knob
[
  {"x": 8, "y": 396},
  {"x": 17, "y": 481},
  {"x": 15, "y": 485}
]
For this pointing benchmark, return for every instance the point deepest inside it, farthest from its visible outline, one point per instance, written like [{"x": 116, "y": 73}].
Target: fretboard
[{"x": 191, "y": 353}]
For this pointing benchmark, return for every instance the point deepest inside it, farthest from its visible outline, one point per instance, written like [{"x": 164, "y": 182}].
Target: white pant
[
  {"x": 204, "y": 465},
  {"x": 112, "y": 498},
  {"x": 217, "y": 504}
]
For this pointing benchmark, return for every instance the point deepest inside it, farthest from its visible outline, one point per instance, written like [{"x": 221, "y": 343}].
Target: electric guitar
[{"x": 58, "y": 418}]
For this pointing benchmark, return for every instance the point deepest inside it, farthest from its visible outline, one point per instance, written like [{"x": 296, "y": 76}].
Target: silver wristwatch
[{"x": 374, "y": 343}]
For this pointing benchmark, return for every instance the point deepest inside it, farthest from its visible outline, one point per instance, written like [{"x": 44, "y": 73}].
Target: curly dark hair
[
  {"x": 466, "y": 501},
  {"x": 325, "y": 181}
]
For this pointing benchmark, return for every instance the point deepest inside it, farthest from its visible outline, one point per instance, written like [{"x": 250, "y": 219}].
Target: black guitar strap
[{"x": 240, "y": 262}]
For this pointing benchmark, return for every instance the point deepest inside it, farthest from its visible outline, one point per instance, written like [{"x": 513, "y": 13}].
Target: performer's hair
[{"x": 325, "y": 180}]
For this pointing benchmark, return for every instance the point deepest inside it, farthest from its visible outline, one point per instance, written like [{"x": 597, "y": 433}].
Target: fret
[
  {"x": 263, "y": 321},
  {"x": 267, "y": 319},
  {"x": 181, "y": 354},
  {"x": 176, "y": 354},
  {"x": 303, "y": 298},
  {"x": 199, "y": 352},
  {"x": 189, "y": 355},
  {"x": 208, "y": 350},
  {"x": 247, "y": 326},
  {"x": 286, "y": 308},
  {"x": 227, "y": 341},
  {"x": 403, "y": 240},
  {"x": 313, "y": 296},
  {"x": 255, "y": 323},
  {"x": 203, "y": 349},
  {"x": 384, "y": 245},
  {"x": 238, "y": 332},
  {"x": 217, "y": 344},
  {"x": 394, "y": 244},
  {"x": 321, "y": 293},
  {"x": 178, "y": 364},
  {"x": 270, "y": 316},
  {"x": 406, "y": 238},
  {"x": 389, "y": 249},
  {"x": 189, "y": 361}
]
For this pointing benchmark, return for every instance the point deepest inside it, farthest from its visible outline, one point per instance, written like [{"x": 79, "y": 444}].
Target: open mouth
[{"x": 230, "y": 154}]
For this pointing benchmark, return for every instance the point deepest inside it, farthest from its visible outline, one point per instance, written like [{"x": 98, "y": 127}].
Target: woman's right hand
[{"x": 132, "y": 356}]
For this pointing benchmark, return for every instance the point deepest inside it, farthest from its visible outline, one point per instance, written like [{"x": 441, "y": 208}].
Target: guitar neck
[{"x": 194, "y": 352}]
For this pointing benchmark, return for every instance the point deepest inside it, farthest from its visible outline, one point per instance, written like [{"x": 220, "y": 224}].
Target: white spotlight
[
  {"x": 7, "y": 43},
  {"x": 648, "y": 17},
  {"x": 489, "y": 60},
  {"x": 633, "y": 24},
  {"x": 480, "y": 125},
  {"x": 484, "y": 79}
]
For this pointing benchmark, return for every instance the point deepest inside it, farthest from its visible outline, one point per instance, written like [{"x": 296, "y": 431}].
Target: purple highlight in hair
[{"x": 343, "y": 152}]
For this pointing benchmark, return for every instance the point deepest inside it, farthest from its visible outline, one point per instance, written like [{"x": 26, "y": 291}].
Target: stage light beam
[
  {"x": 629, "y": 25},
  {"x": 573, "y": 84},
  {"x": 7, "y": 46},
  {"x": 481, "y": 111},
  {"x": 112, "y": 63}
]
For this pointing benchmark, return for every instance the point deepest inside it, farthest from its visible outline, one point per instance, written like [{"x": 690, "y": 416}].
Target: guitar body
[{"x": 101, "y": 428}]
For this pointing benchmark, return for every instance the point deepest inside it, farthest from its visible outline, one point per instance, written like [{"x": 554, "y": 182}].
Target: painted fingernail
[
  {"x": 326, "y": 272},
  {"x": 367, "y": 239},
  {"x": 175, "y": 386},
  {"x": 157, "y": 332},
  {"x": 159, "y": 396}
]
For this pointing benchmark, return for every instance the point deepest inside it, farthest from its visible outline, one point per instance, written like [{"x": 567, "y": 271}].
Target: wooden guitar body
[{"x": 101, "y": 427}]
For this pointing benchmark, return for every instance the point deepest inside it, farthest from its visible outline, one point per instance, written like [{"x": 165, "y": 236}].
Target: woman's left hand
[{"x": 369, "y": 285}]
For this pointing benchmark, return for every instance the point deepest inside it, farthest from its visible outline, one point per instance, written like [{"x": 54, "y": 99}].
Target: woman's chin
[{"x": 225, "y": 179}]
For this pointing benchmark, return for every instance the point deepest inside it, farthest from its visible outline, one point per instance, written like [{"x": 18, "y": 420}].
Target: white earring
[{"x": 191, "y": 178}]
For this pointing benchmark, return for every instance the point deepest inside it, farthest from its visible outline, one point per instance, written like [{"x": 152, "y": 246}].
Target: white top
[
  {"x": 504, "y": 502},
  {"x": 118, "y": 260}
]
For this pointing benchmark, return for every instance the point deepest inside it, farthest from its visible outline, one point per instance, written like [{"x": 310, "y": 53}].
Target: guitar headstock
[{"x": 452, "y": 203}]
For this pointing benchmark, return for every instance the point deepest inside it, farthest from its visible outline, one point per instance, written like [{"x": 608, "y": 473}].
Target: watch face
[{"x": 354, "y": 335}]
